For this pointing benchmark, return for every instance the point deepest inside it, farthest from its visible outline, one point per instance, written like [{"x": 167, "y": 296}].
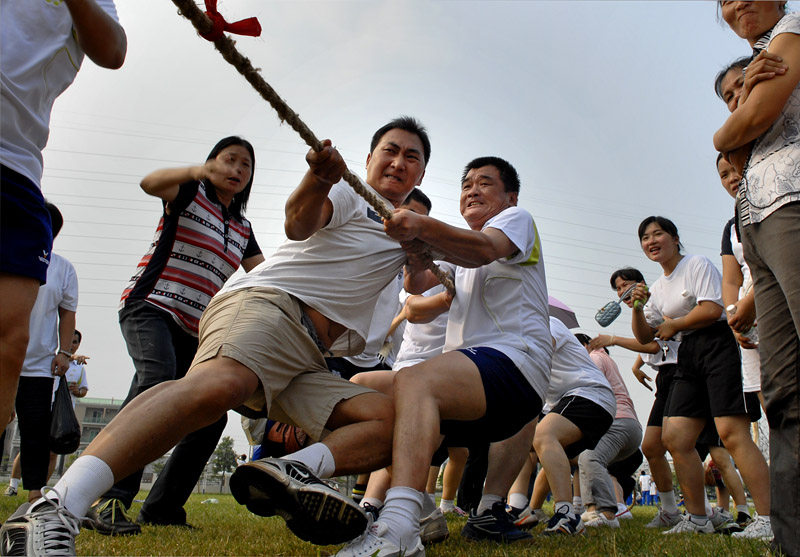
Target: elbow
[{"x": 294, "y": 232}]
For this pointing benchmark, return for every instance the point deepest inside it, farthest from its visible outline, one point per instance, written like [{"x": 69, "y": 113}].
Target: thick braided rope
[{"x": 227, "y": 47}]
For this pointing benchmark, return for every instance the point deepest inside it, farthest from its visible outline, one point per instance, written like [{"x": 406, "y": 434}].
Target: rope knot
[{"x": 249, "y": 26}]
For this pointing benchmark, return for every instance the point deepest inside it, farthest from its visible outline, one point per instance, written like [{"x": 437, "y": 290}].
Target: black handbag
[{"x": 65, "y": 431}]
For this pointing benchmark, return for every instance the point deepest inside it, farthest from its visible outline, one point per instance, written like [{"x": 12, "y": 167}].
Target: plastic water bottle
[{"x": 751, "y": 334}]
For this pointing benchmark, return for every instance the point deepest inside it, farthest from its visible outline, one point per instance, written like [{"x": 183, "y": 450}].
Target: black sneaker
[
  {"x": 743, "y": 519},
  {"x": 493, "y": 524},
  {"x": 108, "y": 517},
  {"x": 44, "y": 528},
  {"x": 561, "y": 523},
  {"x": 313, "y": 511}
]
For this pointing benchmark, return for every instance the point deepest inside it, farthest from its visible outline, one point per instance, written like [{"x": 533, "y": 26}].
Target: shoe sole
[
  {"x": 475, "y": 535},
  {"x": 89, "y": 524},
  {"x": 312, "y": 515},
  {"x": 437, "y": 536}
]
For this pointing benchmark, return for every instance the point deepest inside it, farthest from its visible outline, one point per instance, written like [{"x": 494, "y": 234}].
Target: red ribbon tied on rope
[{"x": 249, "y": 26}]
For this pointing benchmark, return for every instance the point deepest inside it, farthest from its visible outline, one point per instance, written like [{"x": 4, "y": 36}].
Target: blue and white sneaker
[
  {"x": 495, "y": 525},
  {"x": 562, "y": 523}
]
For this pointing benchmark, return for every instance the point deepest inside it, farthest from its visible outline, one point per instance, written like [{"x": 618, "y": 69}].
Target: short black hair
[
  {"x": 407, "y": 124},
  {"x": 666, "y": 225},
  {"x": 80, "y": 336},
  {"x": 626, "y": 273},
  {"x": 508, "y": 174},
  {"x": 56, "y": 218},
  {"x": 419, "y": 196},
  {"x": 740, "y": 63},
  {"x": 239, "y": 203}
]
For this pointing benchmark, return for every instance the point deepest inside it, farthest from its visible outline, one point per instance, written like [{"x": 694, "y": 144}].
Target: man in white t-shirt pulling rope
[{"x": 497, "y": 345}]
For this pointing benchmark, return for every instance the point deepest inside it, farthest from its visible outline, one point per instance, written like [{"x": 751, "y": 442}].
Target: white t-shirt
[
  {"x": 339, "y": 271},
  {"x": 644, "y": 481},
  {"x": 422, "y": 341},
  {"x": 503, "y": 305},
  {"x": 60, "y": 291},
  {"x": 386, "y": 309},
  {"x": 39, "y": 58},
  {"x": 659, "y": 358},
  {"x": 573, "y": 372},
  {"x": 75, "y": 374},
  {"x": 694, "y": 280}
]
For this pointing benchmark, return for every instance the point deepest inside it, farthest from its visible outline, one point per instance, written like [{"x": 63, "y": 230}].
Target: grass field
[{"x": 227, "y": 528}]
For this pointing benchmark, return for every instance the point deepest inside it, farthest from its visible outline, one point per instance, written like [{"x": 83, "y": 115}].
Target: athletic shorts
[
  {"x": 26, "y": 236},
  {"x": 261, "y": 329},
  {"x": 511, "y": 402},
  {"x": 591, "y": 418},
  {"x": 664, "y": 378},
  {"x": 709, "y": 379}
]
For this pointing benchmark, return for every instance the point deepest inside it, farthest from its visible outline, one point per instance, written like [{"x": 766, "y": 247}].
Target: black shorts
[
  {"x": 709, "y": 379},
  {"x": 591, "y": 418},
  {"x": 511, "y": 402},
  {"x": 26, "y": 236},
  {"x": 664, "y": 378}
]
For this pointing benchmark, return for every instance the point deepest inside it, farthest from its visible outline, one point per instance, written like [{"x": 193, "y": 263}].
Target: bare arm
[
  {"x": 601, "y": 341},
  {"x": 732, "y": 279},
  {"x": 66, "y": 330},
  {"x": 424, "y": 309},
  {"x": 308, "y": 208},
  {"x": 99, "y": 36},
  {"x": 467, "y": 248},
  {"x": 643, "y": 332},
  {"x": 641, "y": 376},
  {"x": 765, "y": 102},
  {"x": 165, "y": 183},
  {"x": 704, "y": 314},
  {"x": 251, "y": 262}
]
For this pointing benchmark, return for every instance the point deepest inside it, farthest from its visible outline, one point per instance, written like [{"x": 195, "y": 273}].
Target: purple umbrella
[{"x": 562, "y": 312}]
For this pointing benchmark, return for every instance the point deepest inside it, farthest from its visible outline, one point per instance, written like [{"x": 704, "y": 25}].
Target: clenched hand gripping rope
[{"x": 212, "y": 26}]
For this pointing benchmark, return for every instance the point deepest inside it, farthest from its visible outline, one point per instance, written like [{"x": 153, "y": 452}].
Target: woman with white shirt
[{"x": 686, "y": 301}]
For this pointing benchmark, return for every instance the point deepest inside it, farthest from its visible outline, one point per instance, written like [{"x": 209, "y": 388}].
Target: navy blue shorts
[
  {"x": 511, "y": 402},
  {"x": 26, "y": 236}
]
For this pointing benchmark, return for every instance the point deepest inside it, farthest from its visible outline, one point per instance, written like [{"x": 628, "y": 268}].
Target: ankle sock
[
  {"x": 486, "y": 502},
  {"x": 564, "y": 507},
  {"x": 83, "y": 482},
  {"x": 317, "y": 457},
  {"x": 401, "y": 513},
  {"x": 14, "y": 482},
  {"x": 668, "y": 502},
  {"x": 518, "y": 500}
]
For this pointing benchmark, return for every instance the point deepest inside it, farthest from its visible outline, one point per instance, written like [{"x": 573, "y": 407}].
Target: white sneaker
[
  {"x": 600, "y": 519},
  {"x": 759, "y": 529},
  {"x": 372, "y": 543},
  {"x": 664, "y": 519},
  {"x": 10, "y": 491},
  {"x": 43, "y": 528},
  {"x": 589, "y": 515},
  {"x": 720, "y": 517},
  {"x": 623, "y": 512},
  {"x": 530, "y": 518},
  {"x": 687, "y": 526}
]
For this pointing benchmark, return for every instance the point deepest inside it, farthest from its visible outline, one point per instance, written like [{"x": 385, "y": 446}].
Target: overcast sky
[{"x": 606, "y": 109}]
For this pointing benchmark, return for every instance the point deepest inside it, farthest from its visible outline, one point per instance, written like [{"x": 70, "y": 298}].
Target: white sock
[
  {"x": 14, "y": 482},
  {"x": 518, "y": 500},
  {"x": 709, "y": 510},
  {"x": 318, "y": 457},
  {"x": 447, "y": 505},
  {"x": 564, "y": 507},
  {"x": 374, "y": 501},
  {"x": 486, "y": 502},
  {"x": 428, "y": 503},
  {"x": 577, "y": 501},
  {"x": 668, "y": 502},
  {"x": 622, "y": 507},
  {"x": 83, "y": 482},
  {"x": 743, "y": 509},
  {"x": 401, "y": 514}
]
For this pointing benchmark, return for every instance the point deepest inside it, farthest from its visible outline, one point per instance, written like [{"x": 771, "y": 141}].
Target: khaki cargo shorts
[{"x": 260, "y": 328}]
